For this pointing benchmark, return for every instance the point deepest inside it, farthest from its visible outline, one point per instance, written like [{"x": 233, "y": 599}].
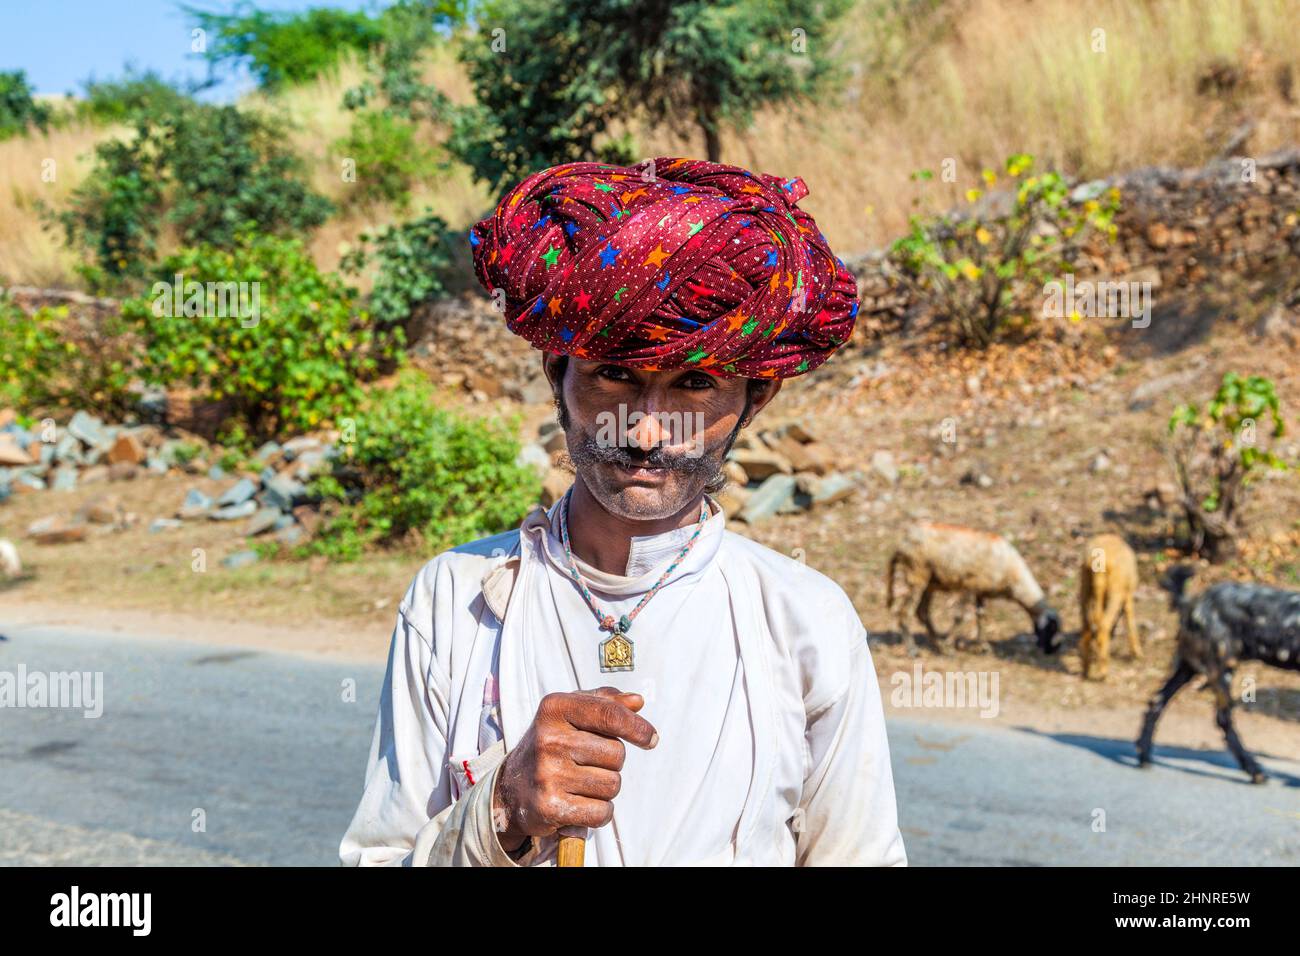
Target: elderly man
[{"x": 670, "y": 299}]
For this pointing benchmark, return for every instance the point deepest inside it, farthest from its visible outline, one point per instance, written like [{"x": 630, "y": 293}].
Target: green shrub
[
  {"x": 412, "y": 259},
  {"x": 130, "y": 98},
  {"x": 207, "y": 171},
  {"x": 388, "y": 158},
  {"x": 285, "y": 362},
  {"x": 977, "y": 273},
  {"x": 18, "y": 110},
  {"x": 49, "y": 362},
  {"x": 420, "y": 475},
  {"x": 1218, "y": 449},
  {"x": 286, "y": 48}
]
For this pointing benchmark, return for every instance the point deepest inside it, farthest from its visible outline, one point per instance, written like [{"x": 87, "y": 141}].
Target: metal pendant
[{"x": 616, "y": 653}]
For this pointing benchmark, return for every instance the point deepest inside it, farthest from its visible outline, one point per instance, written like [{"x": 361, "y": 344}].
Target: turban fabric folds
[{"x": 667, "y": 264}]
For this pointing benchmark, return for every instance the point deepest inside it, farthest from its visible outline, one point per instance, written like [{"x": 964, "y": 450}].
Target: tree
[
  {"x": 17, "y": 108},
  {"x": 551, "y": 78},
  {"x": 1217, "y": 451}
]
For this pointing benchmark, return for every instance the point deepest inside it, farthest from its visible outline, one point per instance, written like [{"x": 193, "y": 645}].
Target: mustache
[{"x": 591, "y": 452}]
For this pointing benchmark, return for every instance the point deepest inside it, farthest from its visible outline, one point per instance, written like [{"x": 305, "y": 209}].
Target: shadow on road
[{"x": 1122, "y": 752}]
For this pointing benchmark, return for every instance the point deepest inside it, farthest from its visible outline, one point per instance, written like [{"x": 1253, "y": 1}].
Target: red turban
[{"x": 668, "y": 264}]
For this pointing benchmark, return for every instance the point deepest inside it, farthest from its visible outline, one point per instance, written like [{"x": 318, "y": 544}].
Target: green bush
[
  {"x": 1218, "y": 449},
  {"x": 18, "y": 110},
  {"x": 48, "y": 362},
  {"x": 286, "y": 48},
  {"x": 412, "y": 259},
  {"x": 388, "y": 158},
  {"x": 207, "y": 171},
  {"x": 285, "y": 362},
  {"x": 977, "y": 273},
  {"x": 133, "y": 96},
  {"x": 421, "y": 476}
]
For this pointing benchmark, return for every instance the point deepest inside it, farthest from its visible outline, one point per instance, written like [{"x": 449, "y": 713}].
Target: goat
[
  {"x": 1107, "y": 580},
  {"x": 10, "y": 566},
  {"x": 947, "y": 558},
  {"x": 1224, "y": 625}
]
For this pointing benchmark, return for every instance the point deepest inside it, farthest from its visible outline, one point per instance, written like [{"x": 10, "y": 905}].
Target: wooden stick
[{"x": 571, "y": 851}]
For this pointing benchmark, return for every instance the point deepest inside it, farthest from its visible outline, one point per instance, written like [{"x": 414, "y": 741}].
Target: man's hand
[{"x": 565, "y": 771}]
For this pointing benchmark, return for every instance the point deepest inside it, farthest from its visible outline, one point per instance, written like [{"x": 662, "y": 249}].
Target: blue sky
[{"x": 60, "y": 43}]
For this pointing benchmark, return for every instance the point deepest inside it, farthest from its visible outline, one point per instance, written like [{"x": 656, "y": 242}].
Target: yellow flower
[
  {"x": 971, "y": 271},
  {"x": 1075, "y": 316},
  {"x": 973, "y": 194},
  {"x": 982, "y": 236},
  {"x": 989, "y": 177}
]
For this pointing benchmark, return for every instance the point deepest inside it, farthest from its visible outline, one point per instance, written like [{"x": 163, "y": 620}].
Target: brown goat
[{"x": 1107, "y": 580}]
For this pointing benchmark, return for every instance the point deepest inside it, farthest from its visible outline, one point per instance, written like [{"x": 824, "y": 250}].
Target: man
[{"x": 670, "y": 299}]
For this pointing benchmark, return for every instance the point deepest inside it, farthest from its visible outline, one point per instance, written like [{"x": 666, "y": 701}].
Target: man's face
[{"x": 646, "y": 444}]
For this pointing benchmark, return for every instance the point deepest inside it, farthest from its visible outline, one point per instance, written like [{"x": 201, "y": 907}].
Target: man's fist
[{"x": 565, "y": 771}]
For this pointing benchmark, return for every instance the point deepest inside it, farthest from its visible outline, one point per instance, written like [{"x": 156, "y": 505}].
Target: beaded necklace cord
[{"x": 616, "y": 651}]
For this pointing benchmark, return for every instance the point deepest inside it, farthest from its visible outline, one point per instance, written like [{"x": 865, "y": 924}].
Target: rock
[
  {"x": 291, "y": 536},
  {"x": 283, "y": 492},
  {"x": 1162, "y": 496},
  {"x": 765, "y": 501},
  {"x": 761, "y": 463},
  {"x": 1278, "y": 323},
  {"x": 1100, "y": 463},
  {"x": 264, "y": 520},
  {"x": 216, "y": 473},
  {"x": 164, "y": 524},
  {"x": 93, "y": 474},
  {"x": 26, "y": 481},
  {"x": 264, "y": 454},
  {"x": 296, "y": 446},
  {"x": 126, "y": 448},
  {"x": 68, "y": 449},
  {"x": 977, "y": 478},
  {"x": 1158, "y": 235},
  {"x": 478, "y": 381},
  {"x": 555, "y": 441},
  {"x": 238, "y": 493},
  {"x": 834, "y": 487},
  {"x": 798, "y": 431},
  {"x": 239, "y": 559},
  {"x": 11, "y": 453},
  {"x": 56, "y": 529},
  {"x": 89, "y": 430},
  {"x": 195, "y": 505},
  {"x": 123, "y": 471},
  {"x": 102, "y": 509},
  {"x": 536, "y": 391},
  {"x": 812, "y": 456},
  {"x": 535, "y": 455},
  {"x": 735, "y": 473},
  {"x": 554, "y": 485},
  {"x": 245, "y": 509},
  {"x": 882, "y": 463},
  {"x": 732, "y": 498},
  {"x": 7, "y": 417},
  {"x": 64, "y": 478},
  {"x": 308, "y": 517}
]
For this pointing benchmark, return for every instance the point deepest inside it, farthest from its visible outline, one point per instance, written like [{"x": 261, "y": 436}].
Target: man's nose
[{"x": 648, "y": 432}]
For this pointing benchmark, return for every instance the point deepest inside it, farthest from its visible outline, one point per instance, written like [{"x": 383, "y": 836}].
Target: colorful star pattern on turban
[{"x": 667, "y": 264}]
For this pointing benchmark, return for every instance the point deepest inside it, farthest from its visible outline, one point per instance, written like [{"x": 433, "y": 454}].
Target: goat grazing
[
  {"x": 946, "y": 558},
  {"x": 1222, "y": 626},
  {"x": 1107, "y": 581},
  {"x": 10, "y": 566}
]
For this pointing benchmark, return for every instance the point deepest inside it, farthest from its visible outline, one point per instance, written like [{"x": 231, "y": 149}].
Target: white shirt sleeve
[
  {"x": 406, "y": 816},
  {"x": 848, "y": 815}
]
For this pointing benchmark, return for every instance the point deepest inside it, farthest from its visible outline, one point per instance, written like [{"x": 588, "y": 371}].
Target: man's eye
[
  {"x": 698, "y": 381},
  {"x": 614, "y": 373}
]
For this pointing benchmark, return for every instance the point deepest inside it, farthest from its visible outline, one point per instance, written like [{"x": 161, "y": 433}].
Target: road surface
[{"x": 229, "y": 756}]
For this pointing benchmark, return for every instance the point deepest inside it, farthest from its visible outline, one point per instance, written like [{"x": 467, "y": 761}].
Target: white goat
[{"x": 948, "y": 558}]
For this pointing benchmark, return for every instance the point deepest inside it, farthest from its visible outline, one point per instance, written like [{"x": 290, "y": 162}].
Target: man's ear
[
  {"x": 554, "y": 364},
  {"x": 761, "y": 395}
]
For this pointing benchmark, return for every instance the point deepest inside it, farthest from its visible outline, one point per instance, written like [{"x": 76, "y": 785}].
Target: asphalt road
[{"x": 265, "y": 751}]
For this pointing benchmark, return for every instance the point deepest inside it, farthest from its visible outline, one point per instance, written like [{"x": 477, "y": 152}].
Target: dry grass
[{"x": 973, "y": 81}]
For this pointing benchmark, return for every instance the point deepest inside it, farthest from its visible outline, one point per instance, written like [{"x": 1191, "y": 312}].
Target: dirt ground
[{"x": 1032, "y": 419}]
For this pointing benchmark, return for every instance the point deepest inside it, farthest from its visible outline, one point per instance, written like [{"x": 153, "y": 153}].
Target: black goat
[{"x": 1224, "y": 625}]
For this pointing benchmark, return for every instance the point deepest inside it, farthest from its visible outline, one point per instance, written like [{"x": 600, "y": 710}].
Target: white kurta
[{"x": 755, "y": 671}]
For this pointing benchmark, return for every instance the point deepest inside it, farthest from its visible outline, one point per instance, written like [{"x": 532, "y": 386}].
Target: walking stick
[{"x": 571, "y": 851}]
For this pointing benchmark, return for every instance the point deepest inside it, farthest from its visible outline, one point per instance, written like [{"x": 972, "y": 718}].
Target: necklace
[{"x": 616, "y": 651}]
